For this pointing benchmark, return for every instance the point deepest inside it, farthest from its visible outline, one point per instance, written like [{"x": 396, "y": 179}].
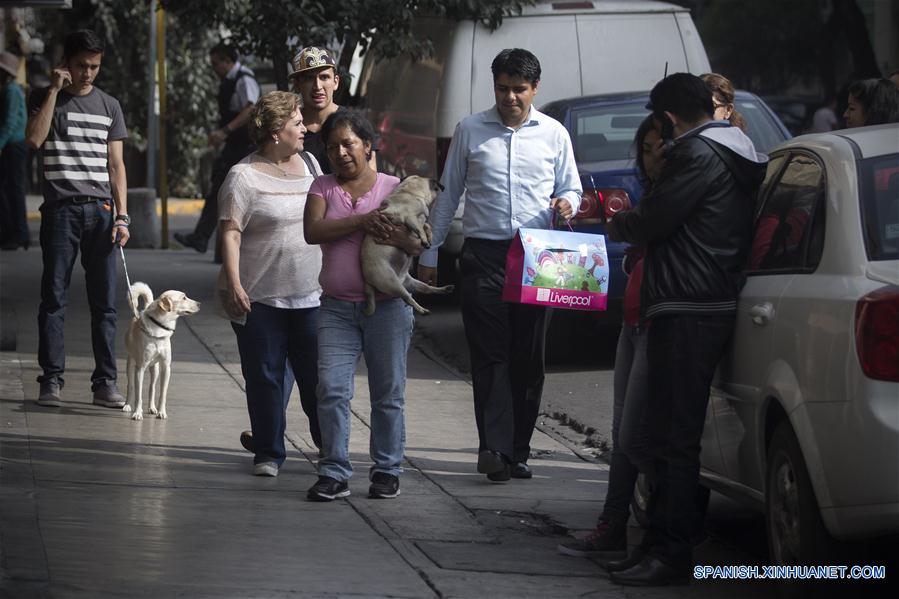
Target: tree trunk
[{"x": 342, "y": 95}]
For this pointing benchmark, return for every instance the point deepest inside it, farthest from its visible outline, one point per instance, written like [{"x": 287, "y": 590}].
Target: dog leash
[{"x": 127, "y": 281}]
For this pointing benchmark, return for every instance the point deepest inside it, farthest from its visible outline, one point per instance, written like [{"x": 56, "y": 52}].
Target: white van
[{"x": 584, "y": 48}]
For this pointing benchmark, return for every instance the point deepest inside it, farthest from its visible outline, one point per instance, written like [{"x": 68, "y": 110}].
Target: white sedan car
[{"x": 804, "y": 414}]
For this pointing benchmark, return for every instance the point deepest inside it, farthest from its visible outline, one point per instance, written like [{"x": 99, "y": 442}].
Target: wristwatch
[{"x": 124, "y": 218}]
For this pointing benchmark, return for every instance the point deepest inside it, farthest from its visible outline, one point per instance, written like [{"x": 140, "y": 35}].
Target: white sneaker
[{"x": 265, "y": 469}]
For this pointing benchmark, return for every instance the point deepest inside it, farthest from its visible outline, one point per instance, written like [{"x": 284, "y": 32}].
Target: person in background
[
  {"x": 825, "y": 118},
  {"x": 630, "y": 439},
  {"x": 237, "y": 95},
  {"x": 516, "y": 168},
  {"x": 315, "y": 78},
  {"x": 79, "y": 131},
  {"x": 723, "y": 98},
  {"x": 269, "y": 276},
  {"x": 341, "y": 209},
  {"x": 13, "y": 155},
  {"x": 872, "y": 102}
]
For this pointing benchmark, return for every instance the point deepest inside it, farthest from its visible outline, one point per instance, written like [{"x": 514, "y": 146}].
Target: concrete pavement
[{"x": 95, "y": 504}]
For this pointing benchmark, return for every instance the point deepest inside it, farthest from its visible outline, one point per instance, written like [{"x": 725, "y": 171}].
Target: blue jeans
[
  {"x": 630, "y": 434},
  {"x": 67, "y": 227},
  {"x": 276, "y": 345},
  {"x": 345, "y": 333}
]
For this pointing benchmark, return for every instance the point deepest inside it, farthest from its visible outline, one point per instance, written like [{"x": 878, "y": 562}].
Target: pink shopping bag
[{"x": 559, "y": 269}]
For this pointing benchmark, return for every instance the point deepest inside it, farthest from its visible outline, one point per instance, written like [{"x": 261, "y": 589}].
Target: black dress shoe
[
  {"x": 617, "y": 565},
  {"x": 491, "y": 461},
  {"x": 651, "y": 572},
  {"x": 501, "y": 476},
  {"x": 191, "y": 240},
  {"x": 521, "y": 470},
  {"x": 246, "y": 440}
]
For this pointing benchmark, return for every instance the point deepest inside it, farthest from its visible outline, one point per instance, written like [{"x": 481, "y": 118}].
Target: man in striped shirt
[{"x": 78, "y": 130}]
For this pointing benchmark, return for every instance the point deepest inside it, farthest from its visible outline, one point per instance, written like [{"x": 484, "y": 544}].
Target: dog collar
[{"x": 160, "y": 325}]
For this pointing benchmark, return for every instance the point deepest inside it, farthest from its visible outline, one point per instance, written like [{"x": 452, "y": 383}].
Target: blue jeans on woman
[
  {"x": 276, "y": 345},
  {"x": 630, "y": 433},
  {"x": 68, "y": 226},
  {"x": 345, "y": 334}
]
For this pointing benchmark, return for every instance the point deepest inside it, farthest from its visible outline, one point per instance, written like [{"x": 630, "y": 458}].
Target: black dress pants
[{"x": 506, "y": 343}]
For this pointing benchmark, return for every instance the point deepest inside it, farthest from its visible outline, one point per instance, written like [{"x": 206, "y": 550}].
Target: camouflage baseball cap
[{"x": 312, "y": 57}]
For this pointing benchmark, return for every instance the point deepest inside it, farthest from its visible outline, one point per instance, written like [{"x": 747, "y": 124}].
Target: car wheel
[
  {"x": 640, "y": 501},
  {"x": 796, "y": 533}
]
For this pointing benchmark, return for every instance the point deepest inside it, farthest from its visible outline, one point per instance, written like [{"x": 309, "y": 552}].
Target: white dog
[
  {"x": 149, "y": 345},
  {"x": 385, "y": 268}
]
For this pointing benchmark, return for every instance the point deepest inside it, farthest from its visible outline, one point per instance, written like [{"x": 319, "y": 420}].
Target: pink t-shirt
[{"x": 341, "y": 274}]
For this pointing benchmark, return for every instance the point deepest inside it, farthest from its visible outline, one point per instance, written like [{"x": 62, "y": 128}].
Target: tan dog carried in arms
[
  {"x": 149, "y": 345},
  {"x": 385, "y": 268}
]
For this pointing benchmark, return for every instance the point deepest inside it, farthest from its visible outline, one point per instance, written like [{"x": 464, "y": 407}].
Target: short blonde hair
[{"x": 271, "y": 113}]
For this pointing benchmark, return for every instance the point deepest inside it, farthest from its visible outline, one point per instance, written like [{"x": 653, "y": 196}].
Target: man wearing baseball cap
[{"x": 315, "y": 78}]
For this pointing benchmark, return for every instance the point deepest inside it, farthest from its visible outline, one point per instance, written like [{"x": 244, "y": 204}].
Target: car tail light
[
  {"x": 443, "y": 144},
  {"x": 599, "y": 205},
  {"x": 877, "y": 333}
]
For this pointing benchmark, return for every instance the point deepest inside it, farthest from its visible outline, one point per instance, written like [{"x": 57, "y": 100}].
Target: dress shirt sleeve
[
  {"x": 568, "y": 181},
  {"x": 453, "y": 180}
]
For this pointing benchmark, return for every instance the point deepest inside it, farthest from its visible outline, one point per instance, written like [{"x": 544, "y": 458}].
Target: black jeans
[
  {"x": 278, "y": 346},
  {"x": 506, "y": 343},
  {"x": 231, "y": 154},
  {"x": 13, "y": 222},
  {"x": 683, "y": 352},
  {"x": 67, "y": 228}
]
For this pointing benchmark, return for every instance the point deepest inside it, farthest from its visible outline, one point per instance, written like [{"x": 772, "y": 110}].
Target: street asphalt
[{"x": 95, "y": 504}]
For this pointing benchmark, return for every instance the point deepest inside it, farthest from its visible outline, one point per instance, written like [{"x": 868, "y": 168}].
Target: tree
[{"x": 275, "y": 30}]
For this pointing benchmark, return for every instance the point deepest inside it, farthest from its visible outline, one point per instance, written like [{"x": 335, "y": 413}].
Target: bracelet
[{"x": 120, "y": 224}]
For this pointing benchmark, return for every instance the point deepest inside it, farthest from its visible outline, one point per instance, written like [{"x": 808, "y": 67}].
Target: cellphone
[{"x": 666, "y": 131}]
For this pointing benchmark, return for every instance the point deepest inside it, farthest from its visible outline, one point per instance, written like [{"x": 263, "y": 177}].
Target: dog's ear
[
  {"x": 165, "y": 303},
  {"x": 435, "y": 185}
]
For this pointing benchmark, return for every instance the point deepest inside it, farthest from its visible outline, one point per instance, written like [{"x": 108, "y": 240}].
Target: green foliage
[{"x": 276, "y": 30}]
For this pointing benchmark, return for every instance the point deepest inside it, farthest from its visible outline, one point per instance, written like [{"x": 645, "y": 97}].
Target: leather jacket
[{"x": 696, "y": 223}]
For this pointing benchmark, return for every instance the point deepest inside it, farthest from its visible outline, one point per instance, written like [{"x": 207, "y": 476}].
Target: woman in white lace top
[{"x": 269, "y": 280}]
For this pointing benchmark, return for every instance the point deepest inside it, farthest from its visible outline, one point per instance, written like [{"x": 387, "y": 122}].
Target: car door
[{"x": 789, "y": 197}]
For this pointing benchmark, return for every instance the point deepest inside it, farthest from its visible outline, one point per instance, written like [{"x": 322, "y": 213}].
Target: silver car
[{"x": 804, "y": 413}]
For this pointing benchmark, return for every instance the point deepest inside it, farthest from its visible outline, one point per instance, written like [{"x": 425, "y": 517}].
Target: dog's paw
[
  {"x": 137, "y": 416},
  {"x": 163, "y": 415},
  {"x": 153, "y": 410},
  {"x": 126, "y": 408}
]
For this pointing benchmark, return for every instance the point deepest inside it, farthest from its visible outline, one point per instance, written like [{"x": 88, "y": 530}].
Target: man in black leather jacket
[{"x": 696, "y": 224}]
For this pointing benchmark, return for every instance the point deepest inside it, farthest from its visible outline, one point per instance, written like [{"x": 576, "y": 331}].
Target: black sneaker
[
  {"x": 384, "y": 486},
  {"x": 328, "y": 489},
  {"x": 192, "y": 240},
  {"x": 607, "y": 540},
  {"x": 49, "y": 395}
]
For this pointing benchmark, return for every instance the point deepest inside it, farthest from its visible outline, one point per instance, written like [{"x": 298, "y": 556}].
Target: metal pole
[
  {"x": 152, "y": 105},
  {"x": 163, "y": 175}
]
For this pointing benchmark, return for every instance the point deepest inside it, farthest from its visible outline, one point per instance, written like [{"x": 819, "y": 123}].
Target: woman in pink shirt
[{"x": 341, "y": 208}]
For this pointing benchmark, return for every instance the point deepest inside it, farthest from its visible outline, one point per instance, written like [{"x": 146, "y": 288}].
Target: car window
[
  {"x": 760, "y": 125},
  {"x": 789, "y": 232},
  {"x": 879, "y": 184},
  {"x": 607, "y": 132}
]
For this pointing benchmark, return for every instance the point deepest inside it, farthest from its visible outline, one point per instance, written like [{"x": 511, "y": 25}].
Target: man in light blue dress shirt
[{"x": 515, "y": 166}]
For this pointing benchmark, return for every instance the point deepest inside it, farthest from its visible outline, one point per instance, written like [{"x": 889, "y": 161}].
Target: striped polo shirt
[{"x": 74, "y": 156}]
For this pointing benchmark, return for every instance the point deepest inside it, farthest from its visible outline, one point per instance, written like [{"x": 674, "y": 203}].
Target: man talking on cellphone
[
  {"x": 696, "y": 224},
  {"x": 78, "y": 130}
]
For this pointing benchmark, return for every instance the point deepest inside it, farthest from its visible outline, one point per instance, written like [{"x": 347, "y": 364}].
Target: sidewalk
[{"x": 95, "y": 504}]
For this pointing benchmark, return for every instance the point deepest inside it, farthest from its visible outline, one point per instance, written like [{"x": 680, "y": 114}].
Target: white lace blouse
[{"x": 277, "y": 267}]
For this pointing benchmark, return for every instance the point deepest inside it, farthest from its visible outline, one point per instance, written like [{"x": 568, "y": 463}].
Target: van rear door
[{"x": 628, "y": 52}]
